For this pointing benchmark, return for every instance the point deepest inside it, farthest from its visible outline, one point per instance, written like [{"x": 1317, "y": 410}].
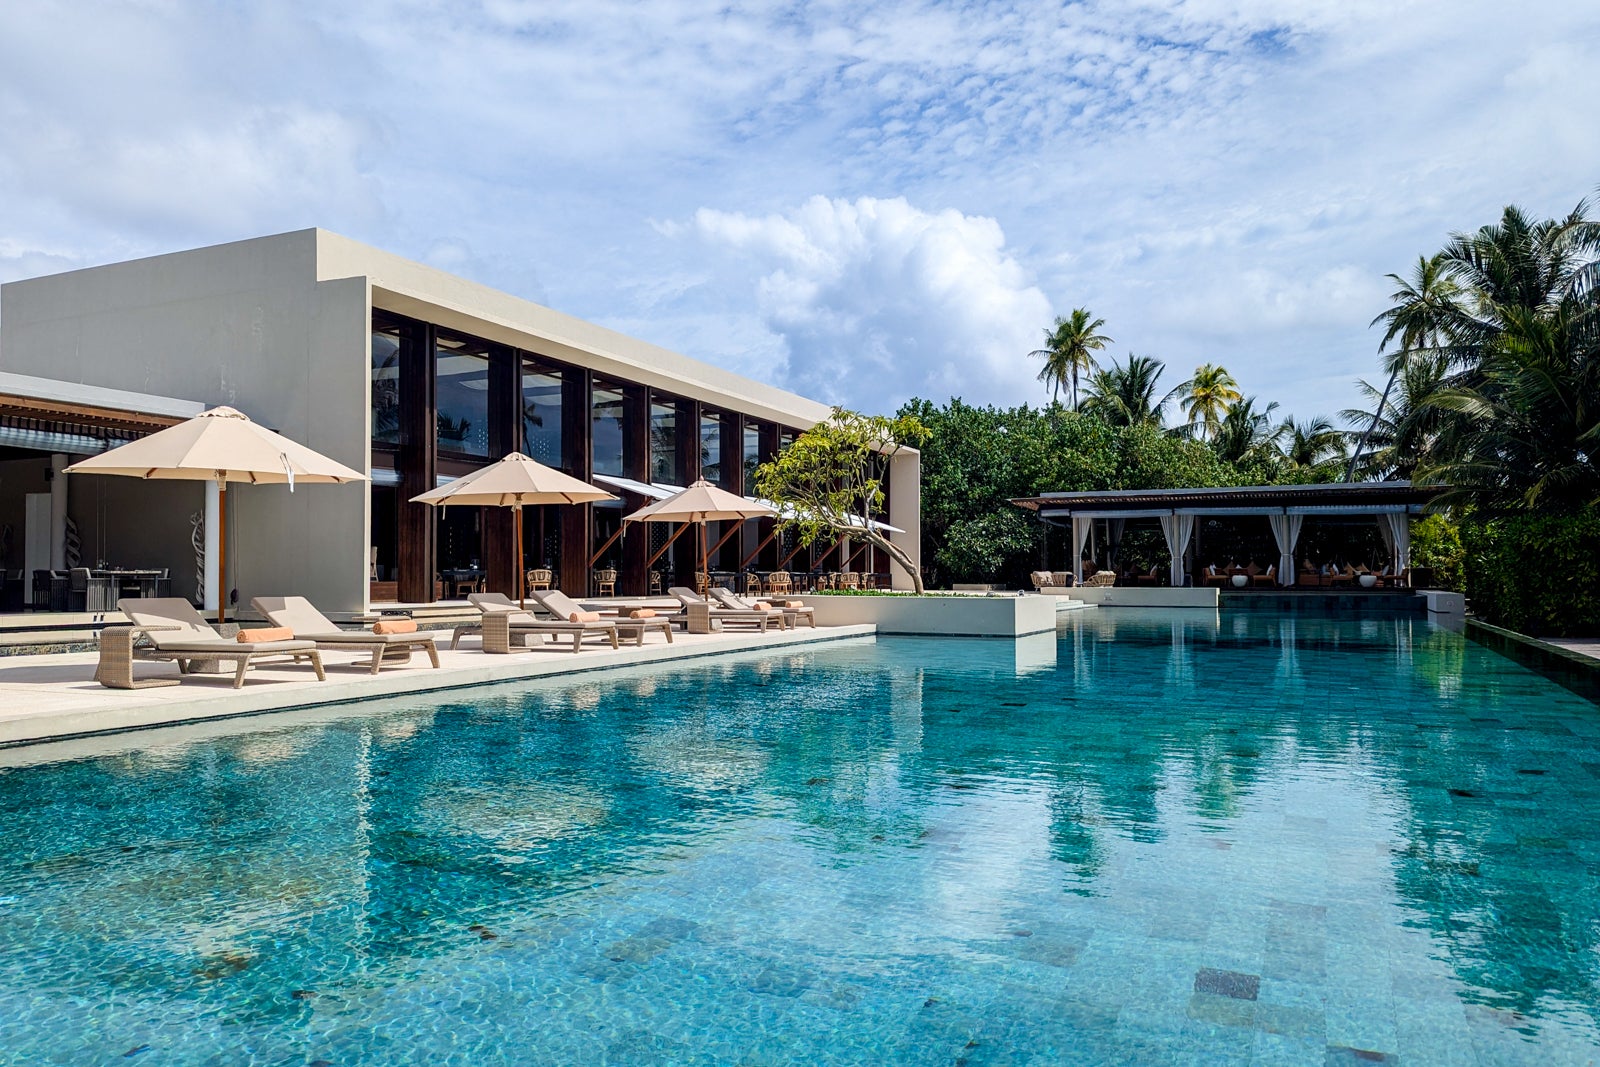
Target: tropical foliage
[
  {"x": 833, "y": 477},
  {"x": 1206, "y": 397},
  {"x": 1069, "y": 348}
]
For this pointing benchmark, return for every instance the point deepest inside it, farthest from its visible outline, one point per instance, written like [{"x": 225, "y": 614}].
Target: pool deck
[{"x": 55, "y": 696}]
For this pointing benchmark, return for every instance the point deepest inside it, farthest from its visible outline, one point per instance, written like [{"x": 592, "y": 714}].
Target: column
[
  {"x": 577, "y": 454},
  {"x": 58, "y": 513},
  {"x": 417, "y": 460}
]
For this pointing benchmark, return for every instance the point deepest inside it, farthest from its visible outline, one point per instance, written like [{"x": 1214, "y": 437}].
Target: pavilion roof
[{"x": 1357, "y": 498}]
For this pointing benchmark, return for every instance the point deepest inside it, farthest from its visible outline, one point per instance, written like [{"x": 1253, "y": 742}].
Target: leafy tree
[
  {"x": 1068, "y": 349},
  {"x": 1402, "y": 426},
  {"x": 1205, "y": 397},
  {"x": 833, "y": 477},
  {"x": 1126, "y": 395}
]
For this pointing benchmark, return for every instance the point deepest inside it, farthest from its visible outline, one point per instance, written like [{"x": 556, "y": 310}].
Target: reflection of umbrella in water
[{"x": 221, "y": 445}]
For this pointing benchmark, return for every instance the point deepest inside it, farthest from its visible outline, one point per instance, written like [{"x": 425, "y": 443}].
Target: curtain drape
[
  {"x": 1400, "y": 536},
  {"x": 1114, "y": 535},
  {"x": 1080, "y": 537},
  {"x": 1286, "y": 531},
  {"x": 1178, "y": 528}
]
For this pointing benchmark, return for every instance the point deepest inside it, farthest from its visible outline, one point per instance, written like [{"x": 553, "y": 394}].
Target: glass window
[
  {"x": 664, "y": 443},
  {"x": 462, "y": 392},
  {"x": 541, "y": 414},
  {"x": 605, "y": 417},
  {"x": 752, "y": 454},
  {"x": 711, "y": 448},
  {"x": 386, "y": 385}
]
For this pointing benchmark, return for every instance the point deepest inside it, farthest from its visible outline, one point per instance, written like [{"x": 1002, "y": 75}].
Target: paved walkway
[
  {"x": 1584, "y": 646},
  {"x": 56, "y": 696}
]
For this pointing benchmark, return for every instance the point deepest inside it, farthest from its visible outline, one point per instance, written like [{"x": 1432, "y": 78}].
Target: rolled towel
[
  {"x": 265, "y": 634},
  {"x": 762, "y": 605},
  {"x": 642, "y": 613},
  {"x": 584, "y": 616},
  {"x": 794, "y": 603},
  {"x": 395, "y": 626}
]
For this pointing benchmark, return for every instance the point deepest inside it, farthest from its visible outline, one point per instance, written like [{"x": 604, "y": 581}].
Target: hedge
[{"x": 1536, "y": 574}]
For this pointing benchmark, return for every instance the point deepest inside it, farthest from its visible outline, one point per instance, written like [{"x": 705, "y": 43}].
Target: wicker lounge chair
[
  {"x": 791, "y": 616},
  {"x": 1101, "y": 579},
  {"x": 309, "y": 624},
  {"x": 1215, "y": 575},
  {"x": 760, "y": 619},
  {"x": 561, "y": 606},
  {"x": 505, "y": 625},
  {"x": 1268, "y": 577},
  {"x": 178, "y": 633}
]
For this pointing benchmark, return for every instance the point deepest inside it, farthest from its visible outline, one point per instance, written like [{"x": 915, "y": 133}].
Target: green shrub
[
  {"x": 1436, "y": 544},
  {"x": 1537, "y": 574}
]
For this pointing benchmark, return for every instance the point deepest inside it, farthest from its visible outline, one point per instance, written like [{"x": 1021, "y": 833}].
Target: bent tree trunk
[{"x": 896, "y": 553}]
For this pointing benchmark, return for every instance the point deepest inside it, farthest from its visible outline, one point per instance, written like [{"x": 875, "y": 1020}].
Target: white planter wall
[{"x": 974, "y": 616}]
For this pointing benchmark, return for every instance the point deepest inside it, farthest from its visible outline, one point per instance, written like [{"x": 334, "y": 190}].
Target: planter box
[{"x": 950, "y": 616}]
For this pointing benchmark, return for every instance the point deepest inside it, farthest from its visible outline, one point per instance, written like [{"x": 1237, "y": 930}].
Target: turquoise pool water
[{"x": 1147, "y": 839}]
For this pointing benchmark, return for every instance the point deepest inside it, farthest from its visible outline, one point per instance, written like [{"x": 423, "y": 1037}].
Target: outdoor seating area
[{"x": 83, "y": 589}]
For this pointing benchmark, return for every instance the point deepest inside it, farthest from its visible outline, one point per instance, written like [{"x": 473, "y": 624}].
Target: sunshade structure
[
  {"x": 701, "y": 503},
  {"x": 511, "y": 483},
  {"x": 221, "y": 445}
]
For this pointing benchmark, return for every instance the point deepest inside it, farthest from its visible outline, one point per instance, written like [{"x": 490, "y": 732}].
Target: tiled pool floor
[{"x": 1160, "y": 838}]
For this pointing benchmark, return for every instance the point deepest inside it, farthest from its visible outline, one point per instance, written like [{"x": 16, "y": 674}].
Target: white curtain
[
  {"x": 1178, "y": 528},
  {"x": 1114, "y": 535},
  {"x": 1387, "y": 534},
  {"x": 1080, "y": 537},
  {"x": 1286, "y": 530},
  {"x": 1400, "y": 536}
]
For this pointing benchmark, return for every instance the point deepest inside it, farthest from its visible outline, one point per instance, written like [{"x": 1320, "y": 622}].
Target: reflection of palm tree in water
[{"x": 386, "y": 400}]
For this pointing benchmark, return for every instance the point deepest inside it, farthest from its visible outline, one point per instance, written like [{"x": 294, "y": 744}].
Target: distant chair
[
  {"x": 1100, "y": 579},
  {"x": 702, "y": 583},
  {"x": 87, "y": 593},
  {"x": 780, "y": 582},
  {"x": 605, "y": 582},
  {"x": 1152, "y": 578},
  {"x": 752, "y": 582},
  {"x": 540, "y": 578},
  {"x": 849, "y": 580},
  {"x": 1041, "y": 580},
  {"x": 655, "y": 583},
  {"x": 1268, "y": 577}
]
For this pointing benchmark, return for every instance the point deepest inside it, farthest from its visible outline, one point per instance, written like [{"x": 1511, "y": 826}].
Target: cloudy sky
[{"x": 862, "y": 202}]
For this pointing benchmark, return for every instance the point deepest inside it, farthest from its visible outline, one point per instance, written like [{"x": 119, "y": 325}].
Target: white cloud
[{"x": 877, "y": 301}]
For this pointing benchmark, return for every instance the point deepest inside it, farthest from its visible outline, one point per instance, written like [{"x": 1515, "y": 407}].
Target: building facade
[{"x": 414, "y": 377}]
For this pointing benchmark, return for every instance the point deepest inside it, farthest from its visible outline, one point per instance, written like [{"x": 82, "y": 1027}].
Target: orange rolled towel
[
  {"x": 584, "y": 616},
  {"x": 794, "y": 603},
  {"x": 642, "y": 613},
  {"x": 265, "y": 634},
  {"x": 762, "y": 605},
  {"x": 395, "y": 626}
]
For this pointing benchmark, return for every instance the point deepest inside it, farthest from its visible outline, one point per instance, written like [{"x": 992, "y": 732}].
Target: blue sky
[{"x": 860, "y": 202}]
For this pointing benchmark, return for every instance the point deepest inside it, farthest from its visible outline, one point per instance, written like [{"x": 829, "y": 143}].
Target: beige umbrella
[
  {"x": 221, "y": 445},
  {"x": 701, "y": 503},
  {"x": 511, "y": 483}
]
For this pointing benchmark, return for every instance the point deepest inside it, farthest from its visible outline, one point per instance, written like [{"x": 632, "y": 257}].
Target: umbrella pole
[
  {"x": 516, "y": 510},
  {"x": 703, "y": 568},
  {"x": 222, "y": 552}
]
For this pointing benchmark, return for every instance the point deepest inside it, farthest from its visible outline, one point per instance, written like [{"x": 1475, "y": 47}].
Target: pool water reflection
[{"x": 1150, "y": 838}]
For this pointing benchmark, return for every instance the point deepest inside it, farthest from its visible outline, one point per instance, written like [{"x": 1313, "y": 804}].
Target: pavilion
[{"x": 1285, "y": 508}]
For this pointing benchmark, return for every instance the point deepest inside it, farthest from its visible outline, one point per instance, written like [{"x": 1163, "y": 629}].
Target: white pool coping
[{"x": 51, "y": 697}]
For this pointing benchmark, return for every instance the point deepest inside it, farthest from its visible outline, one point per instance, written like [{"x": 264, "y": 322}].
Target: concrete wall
[
  {"x": 244, "y": 324},
  {"x": 905, "y": 511},
  {"x": 1135, "y": 596},
  {"x": 972, "y": 616}
]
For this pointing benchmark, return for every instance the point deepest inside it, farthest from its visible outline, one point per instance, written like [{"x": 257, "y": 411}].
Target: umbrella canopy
[
  {"x": 220, "y": 445},
  {"x": 701, "y": 503},
  {"x": 511, "y": 483}
]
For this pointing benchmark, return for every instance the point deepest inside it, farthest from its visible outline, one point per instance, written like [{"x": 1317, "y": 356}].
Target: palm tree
[
  {"x": 1420, "y": 318},
  {"x": 1243, "y": 430},
  {"x": 1069, "y": 348},
  {"x": 1520, "y": 419},
  {"x": 1126, "y": 395},
  {"x": 1314, "y": 445},
  {"x": 1400, "y": 431},
  {"x": 1205, "y": 397}
]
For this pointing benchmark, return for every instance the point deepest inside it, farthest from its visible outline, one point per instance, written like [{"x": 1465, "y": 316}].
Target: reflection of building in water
[{"x": 1036, "y": 652}]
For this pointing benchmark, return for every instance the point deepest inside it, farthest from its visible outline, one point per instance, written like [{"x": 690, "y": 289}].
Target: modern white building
[{"x": 409, "y": 374}]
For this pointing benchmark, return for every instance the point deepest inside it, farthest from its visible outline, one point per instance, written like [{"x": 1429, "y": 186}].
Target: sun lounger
[
  {"x": 177, "y": 632},
  {"x": 791, "y": 616},
  {"x": 309, "y": 624},
  {"x": 561, "y": 606},
  {"x": 692, "y": 600},
  {"x": 505, "y": 625}
]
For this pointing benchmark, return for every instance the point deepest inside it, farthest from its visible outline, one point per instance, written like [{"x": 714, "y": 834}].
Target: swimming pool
[{"x": 1150, "y": 838}]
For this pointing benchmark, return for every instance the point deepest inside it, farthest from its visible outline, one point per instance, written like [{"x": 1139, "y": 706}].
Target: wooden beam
[
  {"x": 417, "y": 460},
  {"x": 765, "y": 542},
  {"x": 577, "y": 456},
  {"x": 609, "y": 542},
  {"x": 84, "y": 414}
]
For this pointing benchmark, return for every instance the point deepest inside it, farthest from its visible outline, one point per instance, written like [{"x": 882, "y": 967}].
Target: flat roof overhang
[{"x": 1360, "y": 498}]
